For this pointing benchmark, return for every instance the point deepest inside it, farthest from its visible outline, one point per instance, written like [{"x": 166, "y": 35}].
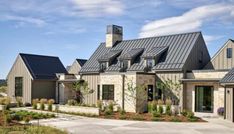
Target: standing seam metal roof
[
  {"x": 229, "y": 77},
  {"x": 179, "y": 48}
]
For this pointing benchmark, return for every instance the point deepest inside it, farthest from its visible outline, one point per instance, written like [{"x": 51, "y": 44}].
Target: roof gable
[
  {"x": 81, "y": 61},
  {"x": 179, "y": 45},
  {"x": 43, "y": 67}
]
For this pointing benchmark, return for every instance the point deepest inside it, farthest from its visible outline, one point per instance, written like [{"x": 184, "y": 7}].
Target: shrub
[
  {"x": 6, "y": 118},
  {"x": 122, "y": 112},
  {"x": 26, "y": 119},
  {"x": 35, "y": 101},
  {"x": 5, "y": 101},
  {"x": 123, "y": 117},
  {"x": 175, "y": 119},
  {"x": 192, "y": 119},
  {"x": 168, "y": 102},
  {"x": 168, "y": 109},
  {"x": 19, "y": 101},
  {"x": 137, "y": 117},
  {"x": 156, "y": 119},
  {"x": 72, "y": 102},
  {"x": 99, "y": 104},
  {"x": 50, "y": 103},
  {"x": 220, "y": 111},
  {"x": 111, "y": 106},
  {"x": 184, "y": 113},
  {"x": 190, "y": 115},
  {"x": 154, "y": 106},
  {"x": 160, "y": 102},
  {"x": 42, "y": 104},
  {"x": 119, "y": 109},
  {"x": 43, "y": 101},
  {"x": 149, "y": 107},
  {"x": 160, "y": 109},
  {"x": 108, "y": 112},
  {"x": 156, "y": 114}
]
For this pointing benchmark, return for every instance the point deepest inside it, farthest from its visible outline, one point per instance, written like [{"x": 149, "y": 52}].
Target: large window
[
  {"x": 107, "y": 92},
  {"x": 229, "y": 52},
  {"x": 19, "y": 86}
]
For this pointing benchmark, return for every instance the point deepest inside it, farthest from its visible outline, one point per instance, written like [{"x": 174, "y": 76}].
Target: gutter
[{"x": 123, "y": 80}]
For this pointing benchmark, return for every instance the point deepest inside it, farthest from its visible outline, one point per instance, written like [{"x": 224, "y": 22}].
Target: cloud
[
  {"x": 191, "y": 20},
  {"x": 210, "y": 38},
  {"x": 96, "y": 8},
  {"x": 22, "y": 20}
]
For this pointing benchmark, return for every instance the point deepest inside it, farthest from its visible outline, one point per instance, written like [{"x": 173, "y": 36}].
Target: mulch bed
[{"x": 148, "y": 117}]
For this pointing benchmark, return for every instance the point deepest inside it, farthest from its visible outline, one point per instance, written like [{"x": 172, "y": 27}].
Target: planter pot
[{"x": 2, "y": 107}]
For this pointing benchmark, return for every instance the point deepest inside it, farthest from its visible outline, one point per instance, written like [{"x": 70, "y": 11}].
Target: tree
[
  {"x": 81, "y": 89},
  {"x": 137, "y": 95},
  {"x": 167, "y": 86}
]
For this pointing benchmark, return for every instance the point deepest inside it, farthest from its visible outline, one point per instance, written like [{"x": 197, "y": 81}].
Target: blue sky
[{"x": 73, "y": 29}]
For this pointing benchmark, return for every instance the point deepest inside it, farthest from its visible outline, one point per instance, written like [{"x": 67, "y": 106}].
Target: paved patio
[{"x": 83, "y": 125}]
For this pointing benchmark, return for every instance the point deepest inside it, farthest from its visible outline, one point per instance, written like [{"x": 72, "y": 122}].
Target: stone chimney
[{"x": 114, "y": 33}]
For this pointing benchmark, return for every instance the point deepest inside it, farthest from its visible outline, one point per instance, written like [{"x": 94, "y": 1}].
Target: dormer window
[
  {"x": 124, "y": 64},
  {"x": 150, "y": 63},
  {"x": 103, "y": 66}
]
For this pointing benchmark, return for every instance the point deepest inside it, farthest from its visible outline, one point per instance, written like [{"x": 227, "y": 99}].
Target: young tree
[
  {"x": 137, "y": 95},
  {"x": 81, "y": 89}
]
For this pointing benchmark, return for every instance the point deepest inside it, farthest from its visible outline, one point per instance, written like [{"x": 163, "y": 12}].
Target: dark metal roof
[
  {"x": 109, "y": 55},
  {"x": 154, "y": 52},
  {"x": 229, "y": 77},
  {"x": 179, "y": 48},
  {"x": 43, "y": 67},
  {"x": 81, "y": 61},
  {"x": 131, "y": 54}
]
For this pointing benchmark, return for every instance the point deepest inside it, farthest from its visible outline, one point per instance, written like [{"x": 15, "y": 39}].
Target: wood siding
[
  {"x": 199, "y": 56},
  {"x": 43, "y": 89},
  {"x": 75, "y": 68},
  {"x": 229, "y": 104},
  {"x": 19, "y": 70},
  {"x": 93, "y": 82},
  {"x": 220, "y": 60}
]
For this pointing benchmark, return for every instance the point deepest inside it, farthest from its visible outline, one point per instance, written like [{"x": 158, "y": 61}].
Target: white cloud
[
  {"x": 21, "y": 20},
  {"x": 187, "y": 22},
  {"x": 94, "y": 8},
  {"x": 210, "y": 38}
]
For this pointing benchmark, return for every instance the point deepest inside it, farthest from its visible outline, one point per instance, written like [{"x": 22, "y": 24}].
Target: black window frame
[
  {"x": 18, "y": 86},
  {"x": 108, "y": 92},
  {"x": 98, "y": 92},
  {"x": 229, "y": 53}
]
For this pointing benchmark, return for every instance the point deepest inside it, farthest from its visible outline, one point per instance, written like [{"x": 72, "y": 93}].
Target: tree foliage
[{"x": 81, "y": 89}]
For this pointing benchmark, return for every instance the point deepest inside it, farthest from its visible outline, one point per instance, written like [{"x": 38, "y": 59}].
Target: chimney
[{"x": 114, "y": 33}]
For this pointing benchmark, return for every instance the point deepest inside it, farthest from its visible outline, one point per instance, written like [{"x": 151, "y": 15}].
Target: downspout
[{"x": 123, "y": 80}]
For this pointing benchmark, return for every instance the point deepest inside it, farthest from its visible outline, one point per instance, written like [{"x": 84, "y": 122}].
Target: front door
[
  {"x": 204, "y": 99},
  {"x": 150, "y": 93}
]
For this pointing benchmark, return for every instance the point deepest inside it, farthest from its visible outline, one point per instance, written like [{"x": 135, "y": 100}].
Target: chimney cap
[{"x": 114, "y": 29}]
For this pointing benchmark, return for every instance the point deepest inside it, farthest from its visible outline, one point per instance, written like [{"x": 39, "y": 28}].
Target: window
[
  {"x": 124, "y": 64},
  {"x": 103, "y": 66},
  {"x": 108, "y": 92},
  {"x": 98, "y": 92},
  {"x": 201, "y": 57},
  {"x": 229, "y": 52},
  {"x": 150, "y": 63},
  {"x": 19, "y": 86}
]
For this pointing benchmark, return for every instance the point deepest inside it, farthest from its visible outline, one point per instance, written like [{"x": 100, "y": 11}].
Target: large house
[{"x": 198, "y": 82}]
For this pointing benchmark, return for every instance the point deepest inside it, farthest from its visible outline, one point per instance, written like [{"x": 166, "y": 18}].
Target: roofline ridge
[{"x": 38, "y": 55}]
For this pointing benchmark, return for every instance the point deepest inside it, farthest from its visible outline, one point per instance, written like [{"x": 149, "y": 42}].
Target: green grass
[{"x": 30, "y": 130}]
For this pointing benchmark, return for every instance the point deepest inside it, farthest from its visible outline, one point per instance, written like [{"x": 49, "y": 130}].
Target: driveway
[{"x": 83, "y": 125}]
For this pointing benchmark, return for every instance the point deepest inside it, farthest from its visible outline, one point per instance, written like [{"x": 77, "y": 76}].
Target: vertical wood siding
[
  {"x": 19, "y": 70},
  {"x": 220, "y": 60},
  {"x": 75, "y": 68},
  {"x": 229, "y": 104},
  {"x": 93, "y": 81}
]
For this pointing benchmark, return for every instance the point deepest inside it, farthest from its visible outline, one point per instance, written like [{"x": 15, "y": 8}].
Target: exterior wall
[
  {"x": 218, "y": 98},
  {"x": 175, "y": 77},
  {"x": 75, "y": 68},
  {"x": 229, "y": 104},
  {"x": 93, "y": 82},
  {"x": 19, "y": 70},
  {"x": 43, "y": 89},
  {"x": 220, "y": 60},
  {"x": 198, "y": 57}
]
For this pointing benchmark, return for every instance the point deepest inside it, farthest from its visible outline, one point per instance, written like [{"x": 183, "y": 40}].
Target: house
[
  {"x": 34, "y": 76},
  {"x": 117, "y": 63}
]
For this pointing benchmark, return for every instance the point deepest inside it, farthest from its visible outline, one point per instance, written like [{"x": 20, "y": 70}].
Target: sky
[{"x": 73, "y": 29}]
